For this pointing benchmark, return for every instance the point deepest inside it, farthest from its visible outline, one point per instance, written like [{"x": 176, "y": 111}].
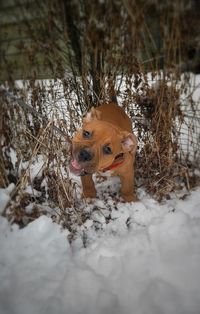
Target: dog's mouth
[{"x": 77, "y": 169}]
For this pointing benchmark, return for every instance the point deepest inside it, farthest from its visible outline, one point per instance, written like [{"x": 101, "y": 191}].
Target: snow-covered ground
[{"x": 145, "y": 261}]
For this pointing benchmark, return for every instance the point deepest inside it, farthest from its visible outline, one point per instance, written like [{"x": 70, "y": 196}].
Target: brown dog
[{"x": 105, "y": 143}]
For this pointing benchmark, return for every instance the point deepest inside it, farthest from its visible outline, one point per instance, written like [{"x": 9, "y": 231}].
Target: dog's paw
[
  {"x": 89, "y": 200},
  {"x": 130, "y": 198},
  {"x": 89, "y": 195}
]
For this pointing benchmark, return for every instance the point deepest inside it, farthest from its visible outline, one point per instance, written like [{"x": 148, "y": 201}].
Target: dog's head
[{"x": 96, "y": 146}]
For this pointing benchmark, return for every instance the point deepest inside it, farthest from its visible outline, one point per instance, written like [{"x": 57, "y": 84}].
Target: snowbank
[{"x": 150, "y": 265}]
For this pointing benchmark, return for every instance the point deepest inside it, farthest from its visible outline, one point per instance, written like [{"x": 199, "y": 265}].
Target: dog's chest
[{"x": 106, "y": 174}]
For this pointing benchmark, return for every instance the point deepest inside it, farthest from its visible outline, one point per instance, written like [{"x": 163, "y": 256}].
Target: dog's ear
[
  {"x": 129, "y": 142},
  {"x": 93, "y": 114}
]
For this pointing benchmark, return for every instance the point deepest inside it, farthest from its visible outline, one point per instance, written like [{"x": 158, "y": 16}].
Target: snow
[
  {"x": 148, "y": 265},
  {"x": 4, "y": 196}
]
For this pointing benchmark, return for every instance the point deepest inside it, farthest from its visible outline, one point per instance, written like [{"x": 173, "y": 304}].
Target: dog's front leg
[
  {"x": 89, "y": 190},
  {"x": 127, "y": 187}
]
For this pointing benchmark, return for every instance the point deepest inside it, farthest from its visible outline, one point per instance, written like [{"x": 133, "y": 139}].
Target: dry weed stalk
[{"x": 160, "y": 106}]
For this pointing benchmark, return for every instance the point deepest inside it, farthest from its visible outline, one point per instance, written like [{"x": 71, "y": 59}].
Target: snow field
[{"x": 151, "y": 266}]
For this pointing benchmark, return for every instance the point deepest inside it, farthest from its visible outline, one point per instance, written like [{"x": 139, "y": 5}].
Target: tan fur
[{"x": 109, "y": 125}]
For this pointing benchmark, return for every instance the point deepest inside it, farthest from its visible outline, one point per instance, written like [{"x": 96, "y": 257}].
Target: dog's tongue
[{"x": 76, "y": 165}]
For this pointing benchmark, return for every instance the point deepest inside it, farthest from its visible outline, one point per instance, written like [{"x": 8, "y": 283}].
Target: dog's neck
[{"x": 119, "y": 159}]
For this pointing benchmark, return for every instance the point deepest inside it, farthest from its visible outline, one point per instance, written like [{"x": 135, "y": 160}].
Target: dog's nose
[{"x": 84, "y": 155}]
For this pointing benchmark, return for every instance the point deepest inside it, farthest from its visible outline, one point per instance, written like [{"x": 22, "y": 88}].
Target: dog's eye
[
  {"x": 86, "y": 134},
  {"x": 107, "y": 150}
]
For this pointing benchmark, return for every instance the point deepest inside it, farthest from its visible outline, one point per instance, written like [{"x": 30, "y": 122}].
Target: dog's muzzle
[
  {"x": 84, "y": 155},
  {"x": 80, "y": 164}
]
